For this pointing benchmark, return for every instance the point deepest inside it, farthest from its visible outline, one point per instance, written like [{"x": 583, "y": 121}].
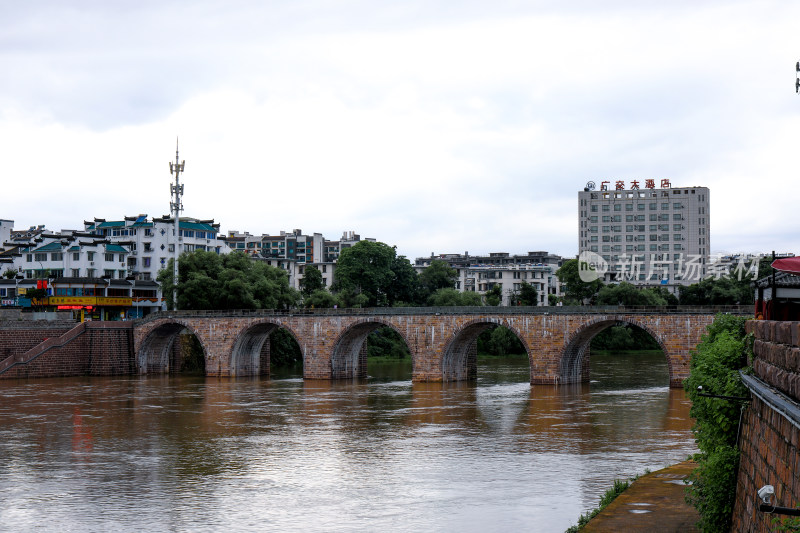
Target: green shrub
[{"x": 715, "y": 365}]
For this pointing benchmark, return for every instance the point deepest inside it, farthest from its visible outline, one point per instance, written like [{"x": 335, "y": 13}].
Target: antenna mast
[{"x": 175, "y": 205}]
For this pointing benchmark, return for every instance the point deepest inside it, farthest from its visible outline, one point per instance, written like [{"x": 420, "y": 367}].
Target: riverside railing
[{"x": 478, "y": 310}]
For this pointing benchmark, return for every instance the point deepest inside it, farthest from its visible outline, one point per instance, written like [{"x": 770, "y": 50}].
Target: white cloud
[{"x": 432, "y": 128}]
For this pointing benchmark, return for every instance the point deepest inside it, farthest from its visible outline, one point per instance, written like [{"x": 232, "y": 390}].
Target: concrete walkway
[{"x": 654, "y": 502}]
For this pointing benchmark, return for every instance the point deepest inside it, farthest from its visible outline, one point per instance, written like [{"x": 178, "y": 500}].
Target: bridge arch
[
  {"x": 460, "y": 355},
  {"x": 574, "y": 364},
  {"x": 158, "y": 353},
  {"x": 349, "y": 355},
  {"x": 250, "y": 355}
]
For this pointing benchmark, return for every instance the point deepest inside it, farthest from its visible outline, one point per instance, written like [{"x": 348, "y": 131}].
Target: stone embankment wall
[
  {"x": 32, "y": 349},
  {"x": 771, "y": 426}
]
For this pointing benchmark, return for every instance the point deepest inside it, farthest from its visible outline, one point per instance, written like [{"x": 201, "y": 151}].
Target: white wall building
[
  {"x": 151, "y": 242},
  {"x": 482, "y": 273}
]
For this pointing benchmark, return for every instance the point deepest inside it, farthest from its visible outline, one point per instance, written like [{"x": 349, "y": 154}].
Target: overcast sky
[{"x": 435, "y": 126}]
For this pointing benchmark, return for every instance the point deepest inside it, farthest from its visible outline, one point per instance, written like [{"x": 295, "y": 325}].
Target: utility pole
[{"x": 176, "y": 192}]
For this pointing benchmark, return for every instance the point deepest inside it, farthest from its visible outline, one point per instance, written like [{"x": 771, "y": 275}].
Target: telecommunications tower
[{"x": 175, "y": 205}]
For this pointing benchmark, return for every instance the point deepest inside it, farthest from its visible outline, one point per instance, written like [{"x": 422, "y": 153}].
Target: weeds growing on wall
[{"x": 723, "y": 351}]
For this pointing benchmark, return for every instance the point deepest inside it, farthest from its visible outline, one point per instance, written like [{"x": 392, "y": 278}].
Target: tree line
[
  {"x": 728, "y": 290},
  {"x": 371, "y": 274},
  {"x": 368, "y": 274}
]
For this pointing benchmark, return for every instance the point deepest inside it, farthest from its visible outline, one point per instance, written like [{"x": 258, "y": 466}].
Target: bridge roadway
[{"x": 442, "y": 341}]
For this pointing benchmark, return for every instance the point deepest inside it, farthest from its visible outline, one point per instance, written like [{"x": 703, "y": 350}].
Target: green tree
[
  {"x": 386, "y": 342},
  {"x": 234, "y": 281},
  {"x": 494, "y": 296},
  {"x": 575, "y": 289},
  {"x": 311, "y": 281},
  {"x": 283, "y": 350},
  {"x": 526, "y": 295},
  {"x": 437, "y": 275},
  {"x": 717, "y": 291},
  {"x": 321, "y": 299},
  {"x": 723, "y": 351},
  {"x": 449, "y": 297},
  {"x": 499, "y": 341},
  {"x": 670, "y": 298},
  {"x": 37, "y": 297},
  {"x": 9, "y": 273},
  {"x": 404, "y": 289},
  {"x": 623, "y": 337},
  {"x": 364, "y": 275},
  {"x": 626, "y": 294}
]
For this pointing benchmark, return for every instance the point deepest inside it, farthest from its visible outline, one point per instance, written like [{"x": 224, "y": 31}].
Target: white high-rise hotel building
[{"x": 647, "y": 233}]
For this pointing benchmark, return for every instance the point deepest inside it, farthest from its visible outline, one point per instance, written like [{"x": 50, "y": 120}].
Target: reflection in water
[{"x": 211, "y": 454}]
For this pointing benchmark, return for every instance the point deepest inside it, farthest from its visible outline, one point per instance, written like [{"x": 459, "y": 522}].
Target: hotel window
[
  {"x": 76, "y": 256},
  {"x": 109, "y": 257},
  {"x": 76, "y": 272}
]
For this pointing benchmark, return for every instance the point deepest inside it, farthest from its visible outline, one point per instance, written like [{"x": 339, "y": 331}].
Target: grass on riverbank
[{"x": 609, "y": 496}]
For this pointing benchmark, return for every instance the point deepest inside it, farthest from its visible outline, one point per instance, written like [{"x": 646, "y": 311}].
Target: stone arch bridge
[{"x": 442, "y": 341}]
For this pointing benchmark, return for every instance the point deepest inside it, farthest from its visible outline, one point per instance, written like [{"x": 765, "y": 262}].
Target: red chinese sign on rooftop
[{"x": 619, "y": 185}]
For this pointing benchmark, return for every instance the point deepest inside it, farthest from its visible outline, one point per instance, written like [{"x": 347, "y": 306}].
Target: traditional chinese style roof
[
  {"x": 782, "y": 279},
  {"x": 50, "y": 247},
  {"x": 116, "y": 248}
]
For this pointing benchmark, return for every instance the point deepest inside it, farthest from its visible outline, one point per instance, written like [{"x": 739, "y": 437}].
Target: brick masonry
[
  {"x": 92, "y": 348},
  {"x": 442, "y": 346},
  {"x": 769, "y": 439}
]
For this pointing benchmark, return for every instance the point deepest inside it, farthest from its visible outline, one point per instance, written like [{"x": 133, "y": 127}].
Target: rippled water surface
[{"x": 197, "y": 454}]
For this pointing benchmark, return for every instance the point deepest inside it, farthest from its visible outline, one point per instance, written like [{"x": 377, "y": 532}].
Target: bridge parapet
[{"x": 475, "y": 310}]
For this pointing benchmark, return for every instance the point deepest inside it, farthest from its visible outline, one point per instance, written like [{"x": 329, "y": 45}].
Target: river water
[{"x": 203, "y": 454}]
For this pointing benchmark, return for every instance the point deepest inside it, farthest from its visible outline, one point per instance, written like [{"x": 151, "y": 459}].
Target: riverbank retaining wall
[
  {"x": 30, "y": 349},
  {"x": 770, "y": 428}
]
